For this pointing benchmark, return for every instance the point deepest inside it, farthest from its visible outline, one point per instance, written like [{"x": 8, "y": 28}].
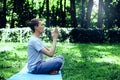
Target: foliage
[
  {"x": 111, "y": 13},
  {"x": 113, "y": 36},
  {"x": 19, "y": 13},
  {"x": 95, "y": 35},
  {"x": 64, "y": 34},
  {"x": 0, "y": 35},
  {"x": 15, "y": 35},
  {"x": 2, "y": 77},
  {"x": 87, "y": 35},
  {"x": 23, "y": 34}
]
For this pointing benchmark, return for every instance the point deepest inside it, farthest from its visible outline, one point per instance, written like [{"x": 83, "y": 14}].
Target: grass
[
  {"x": 12, "y": 58},
  {"x": 82, "y": 61}
]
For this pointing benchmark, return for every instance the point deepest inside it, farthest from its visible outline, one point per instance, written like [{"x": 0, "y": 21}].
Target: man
[{"x": 37, "y": 50}]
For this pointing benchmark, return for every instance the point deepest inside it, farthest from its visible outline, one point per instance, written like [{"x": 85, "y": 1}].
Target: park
[{"x": 89, "y": 37}]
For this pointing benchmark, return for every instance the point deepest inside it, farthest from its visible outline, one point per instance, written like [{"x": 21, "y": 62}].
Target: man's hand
[
  {"x": 55, "y": 34},
  {"x": 50, "y": 52}
]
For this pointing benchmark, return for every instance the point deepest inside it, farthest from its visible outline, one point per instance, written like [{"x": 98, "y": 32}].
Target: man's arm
[{"x": 50, "y": 52}]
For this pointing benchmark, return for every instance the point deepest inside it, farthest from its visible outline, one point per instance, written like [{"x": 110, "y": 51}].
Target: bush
[
  {"x": 87, "y": 35},
  {"x": 63, "y": 35},
  {"x": 2, "y": 77},
  {"x": 0, "y": 35},
  {"x": 74, "y": 35},
  {"x": 47, "y": 35},
  {"x": 23, "y": 34},
  {"x": 113, "y": 36},
  {"x": 13, "y": 36}
]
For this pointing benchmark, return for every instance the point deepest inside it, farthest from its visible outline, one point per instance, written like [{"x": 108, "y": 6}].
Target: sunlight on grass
[
  {"x": 103, "y": 47},
  {"x": 109, "y": 59},
  {"x": 7, "y": 48},
  {"x": 108, "y": 54}
]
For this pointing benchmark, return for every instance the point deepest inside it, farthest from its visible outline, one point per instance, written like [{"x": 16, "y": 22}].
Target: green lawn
[{"x": 82, "y": 61}]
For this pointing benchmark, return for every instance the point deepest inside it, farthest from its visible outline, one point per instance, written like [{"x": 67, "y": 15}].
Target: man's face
[{"x": 40, "y": 27}]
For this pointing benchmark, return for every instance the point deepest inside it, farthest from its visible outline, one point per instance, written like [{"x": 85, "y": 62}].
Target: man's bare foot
[{"x": 54, "y": 72}]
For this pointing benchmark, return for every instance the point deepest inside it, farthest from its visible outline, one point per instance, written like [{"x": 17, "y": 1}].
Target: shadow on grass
[{"x": 91, "y": 62}]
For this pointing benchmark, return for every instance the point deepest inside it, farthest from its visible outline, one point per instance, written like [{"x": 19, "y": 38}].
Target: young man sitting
[{"x": 37, "y": 50}]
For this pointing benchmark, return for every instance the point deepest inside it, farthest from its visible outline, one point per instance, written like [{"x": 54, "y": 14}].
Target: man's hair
[{"x": 34, "y": 22}]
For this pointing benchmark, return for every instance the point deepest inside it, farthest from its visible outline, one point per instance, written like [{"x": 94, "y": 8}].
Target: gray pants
[{"x": 52, "y": 64}]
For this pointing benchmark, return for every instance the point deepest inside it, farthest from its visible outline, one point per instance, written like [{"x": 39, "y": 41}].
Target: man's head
[{"x": 36, "y": 25}]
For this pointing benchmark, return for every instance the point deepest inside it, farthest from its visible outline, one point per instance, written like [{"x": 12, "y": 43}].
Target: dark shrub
[
  {"x": 74, "y": 35},
  {"x": 0, "y": 35},
  {"x": 48, "y": 35},
  {"x": 87, "y": 35},
  {"x": 63, "y": 35},
  {"x": 2, "y": 77},
  {"x": 113, "y": 36},
  {"x": 13, "y": 36}
]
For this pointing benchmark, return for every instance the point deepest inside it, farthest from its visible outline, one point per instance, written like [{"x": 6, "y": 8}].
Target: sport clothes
[
  {"x": 36, "y": 62},
  {"x": 34, "y": 52},
  {"x": 52, "y": 64}
]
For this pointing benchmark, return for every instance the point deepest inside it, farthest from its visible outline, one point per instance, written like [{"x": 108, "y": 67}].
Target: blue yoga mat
[{"x": 24, "y": 75}]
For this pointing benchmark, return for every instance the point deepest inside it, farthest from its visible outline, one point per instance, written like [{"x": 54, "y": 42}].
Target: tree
[
  {"x": 1, "y": 10},
  {"x": 41, "y": 9},
  {"x": 109, "y": 14},
  {"x": 3, "y": 15},
  {"x": 13, "y": 10},
  {"x": 99, "y": 24},
  {"x": 118, "y": 14},
  {"x": 83, "y": 24},
  {"x": 73, "y": 13},
  {"x": 53, "y": 17},
  {"x": 88, "y": 13},
  {"x": 62, "y": 13},
  {"x": 47, "y": 14}
]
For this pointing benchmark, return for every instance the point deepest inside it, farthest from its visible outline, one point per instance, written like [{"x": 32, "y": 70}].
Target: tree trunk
[
  {"x": 54, "y": 17},
  {"x": 118, "y": 14},
  {"x": 1, "y": 16},
  {"x": 12, "y": 18},
  {"x": 48, "y": 13},
  {"x": 57, "y": 14},
  {"x": 99, "y": 24},
  {"x": 89, "y": 10},
  {"x": 4, "y": 15},
  {"x": 64, "y": 15},
  {"x": 73, "y": 13},
  {"x": 83, "y": 14},
  {"x": 32, "y": 8},
  {"x": 108, "y": 20},
  {"x": 61, "y": 11},
  {"x": 41, "y": 9}
]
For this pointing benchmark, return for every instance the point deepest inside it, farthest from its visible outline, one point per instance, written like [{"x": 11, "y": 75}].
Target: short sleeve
[{"x": 38, "y": 45}]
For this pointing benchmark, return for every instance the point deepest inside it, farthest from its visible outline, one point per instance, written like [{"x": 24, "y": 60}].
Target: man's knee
[{"x": 60, "y": 59}]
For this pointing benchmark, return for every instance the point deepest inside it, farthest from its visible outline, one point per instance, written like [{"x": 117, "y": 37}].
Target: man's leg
[{"x": 49, "y": 66}]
